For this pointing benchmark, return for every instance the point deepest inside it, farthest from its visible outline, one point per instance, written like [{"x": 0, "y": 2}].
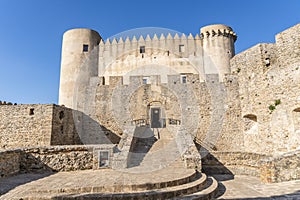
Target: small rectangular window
[
  {"x": 183, "y": 78},
  {"x": 85, "y": 48},
  {"x": 146, "y": 80},
  {"x": 31, "y": 111},
  {"x": 142, "y": 49},
  {"x": 181, "y": 48}
]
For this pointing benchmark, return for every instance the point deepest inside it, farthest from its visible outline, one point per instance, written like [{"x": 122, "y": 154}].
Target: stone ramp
[{"x": 160, "y": 154}]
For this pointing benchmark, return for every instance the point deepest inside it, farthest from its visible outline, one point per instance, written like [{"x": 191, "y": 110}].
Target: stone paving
[
  {"x": 241, "y": 187},
  {"x": 246, "y": 187},
  {"x": 106, "y": 180}
]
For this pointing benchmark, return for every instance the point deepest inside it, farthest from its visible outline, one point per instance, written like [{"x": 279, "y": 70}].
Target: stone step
[
  {"x": 209, "y": 192},
  {"x": 197, "y": 184},
  {"x": 124, "y": 188}
]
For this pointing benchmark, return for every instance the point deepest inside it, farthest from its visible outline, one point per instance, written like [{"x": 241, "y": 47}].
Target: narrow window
[
  {"x": 142, "y": 49},
  {"x": 181, "y": 48},
  {"x": 61, "y": 115},
  {"x": 103, "y": 80},
  {"x": 146, "y": 80},
  {"x": 183, "y": 79},
  {"x": 31, "y": 111},
  {"x": 85, "y": 48}
]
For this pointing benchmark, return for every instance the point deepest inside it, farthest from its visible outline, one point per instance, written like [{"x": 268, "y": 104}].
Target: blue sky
[{"x": 31, "y": 32}]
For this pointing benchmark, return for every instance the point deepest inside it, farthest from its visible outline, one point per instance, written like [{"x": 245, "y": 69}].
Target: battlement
[
  {"x": 148, "y": 38},
  {"x": 217, "y": 30}
]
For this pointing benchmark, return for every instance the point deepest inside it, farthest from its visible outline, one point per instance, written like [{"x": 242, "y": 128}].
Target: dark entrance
[{"x": 155, "y": 118}]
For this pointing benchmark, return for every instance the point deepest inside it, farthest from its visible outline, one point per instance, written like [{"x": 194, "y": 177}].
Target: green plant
[
  {"x": 277, "y": 102},
  {"x": 272, "y": 107},
  {"x": 238, "y": 70}
]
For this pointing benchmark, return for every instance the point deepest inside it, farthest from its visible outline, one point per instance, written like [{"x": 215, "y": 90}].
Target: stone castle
[{"x": 143, "y": 103}]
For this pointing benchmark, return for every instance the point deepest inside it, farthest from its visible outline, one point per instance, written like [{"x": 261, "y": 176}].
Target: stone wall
[
  {"x": 269, "y": 168},
  {"x": 25, "y": 125},
  {"x": 54, "y": 158},
  {"x": 285, "y": 167},
  {"x": 64, "y": 129},
  {"x": 209, "y": 111},
  {"x": 37, "y": 125},
  {"x": 9, "y": 162},
  {"x": 235, "y": 163},
  {"x": 269, "y": 77}
]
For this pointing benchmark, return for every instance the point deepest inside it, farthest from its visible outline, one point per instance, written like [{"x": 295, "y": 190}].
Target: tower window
[
  {"x": 85, "y": 48},
  {"x": 146, "y": 80},
  {"x": 181, "y": 48},
  {"x": 142, "y": 49},
  {"x": 183, "y": 79}
]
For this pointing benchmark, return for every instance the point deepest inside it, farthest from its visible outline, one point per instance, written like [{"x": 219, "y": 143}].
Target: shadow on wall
[
  {"x": 70, "y": 127},
  {"x": 142, "y": 142},
  {"x": 211, "y": 165}
]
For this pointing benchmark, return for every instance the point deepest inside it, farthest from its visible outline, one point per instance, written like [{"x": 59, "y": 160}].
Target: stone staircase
[{"x": 194, "y": 186}]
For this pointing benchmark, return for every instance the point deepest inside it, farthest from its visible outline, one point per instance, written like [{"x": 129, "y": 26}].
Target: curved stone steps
[
  {"x": 123, "y": 188},
  {"x": 210, "y": 192},
  {"x": 194, "y": 186}
]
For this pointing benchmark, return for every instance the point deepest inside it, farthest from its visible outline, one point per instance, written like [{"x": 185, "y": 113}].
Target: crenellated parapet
[
  {"x": 180, "y": 45},
  {"x": 217, "y": 30}
]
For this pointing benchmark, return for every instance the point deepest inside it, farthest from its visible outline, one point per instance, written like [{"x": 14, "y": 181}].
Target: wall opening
[
  {"x": 183, "y": 78},
  {"x": 31, "y": 111},
  {"x": 61, "y": 115},
  {"x": 250, "y": 124},
  {"x": 142, "y": 49},
  {"x": 85, "y": 48},
  {"x": 181, "y": 48},
  {"x": 146, "y": 80}
]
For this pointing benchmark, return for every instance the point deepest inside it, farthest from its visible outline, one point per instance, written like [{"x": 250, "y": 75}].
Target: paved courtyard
[
  {"x": 246, "y": 187},
  {"x": 239, "y": 187}
]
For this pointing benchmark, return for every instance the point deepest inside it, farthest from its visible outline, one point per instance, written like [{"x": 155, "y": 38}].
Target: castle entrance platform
[
  {"x": 72, "y": 185},
  {"x": 173, "y": 181}
]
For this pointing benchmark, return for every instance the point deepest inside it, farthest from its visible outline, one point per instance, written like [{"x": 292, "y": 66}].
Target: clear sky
[{"x": 31, "y": 32}]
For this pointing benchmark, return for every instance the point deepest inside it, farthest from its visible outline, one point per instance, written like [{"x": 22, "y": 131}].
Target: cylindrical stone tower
[
  {"x": 218, "y": 46},
  {"x": 76, "y": 47}
]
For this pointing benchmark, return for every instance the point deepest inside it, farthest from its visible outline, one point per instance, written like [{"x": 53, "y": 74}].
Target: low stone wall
[
  {"x": 9, "y": 162},
  {"x": 53, "y": 158},
  {"x": 241, "y": 163},
  {"x": 57, "y": 158},
  {"x": 270, "y": 169},
  {"x": 285, "y": 167}
]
